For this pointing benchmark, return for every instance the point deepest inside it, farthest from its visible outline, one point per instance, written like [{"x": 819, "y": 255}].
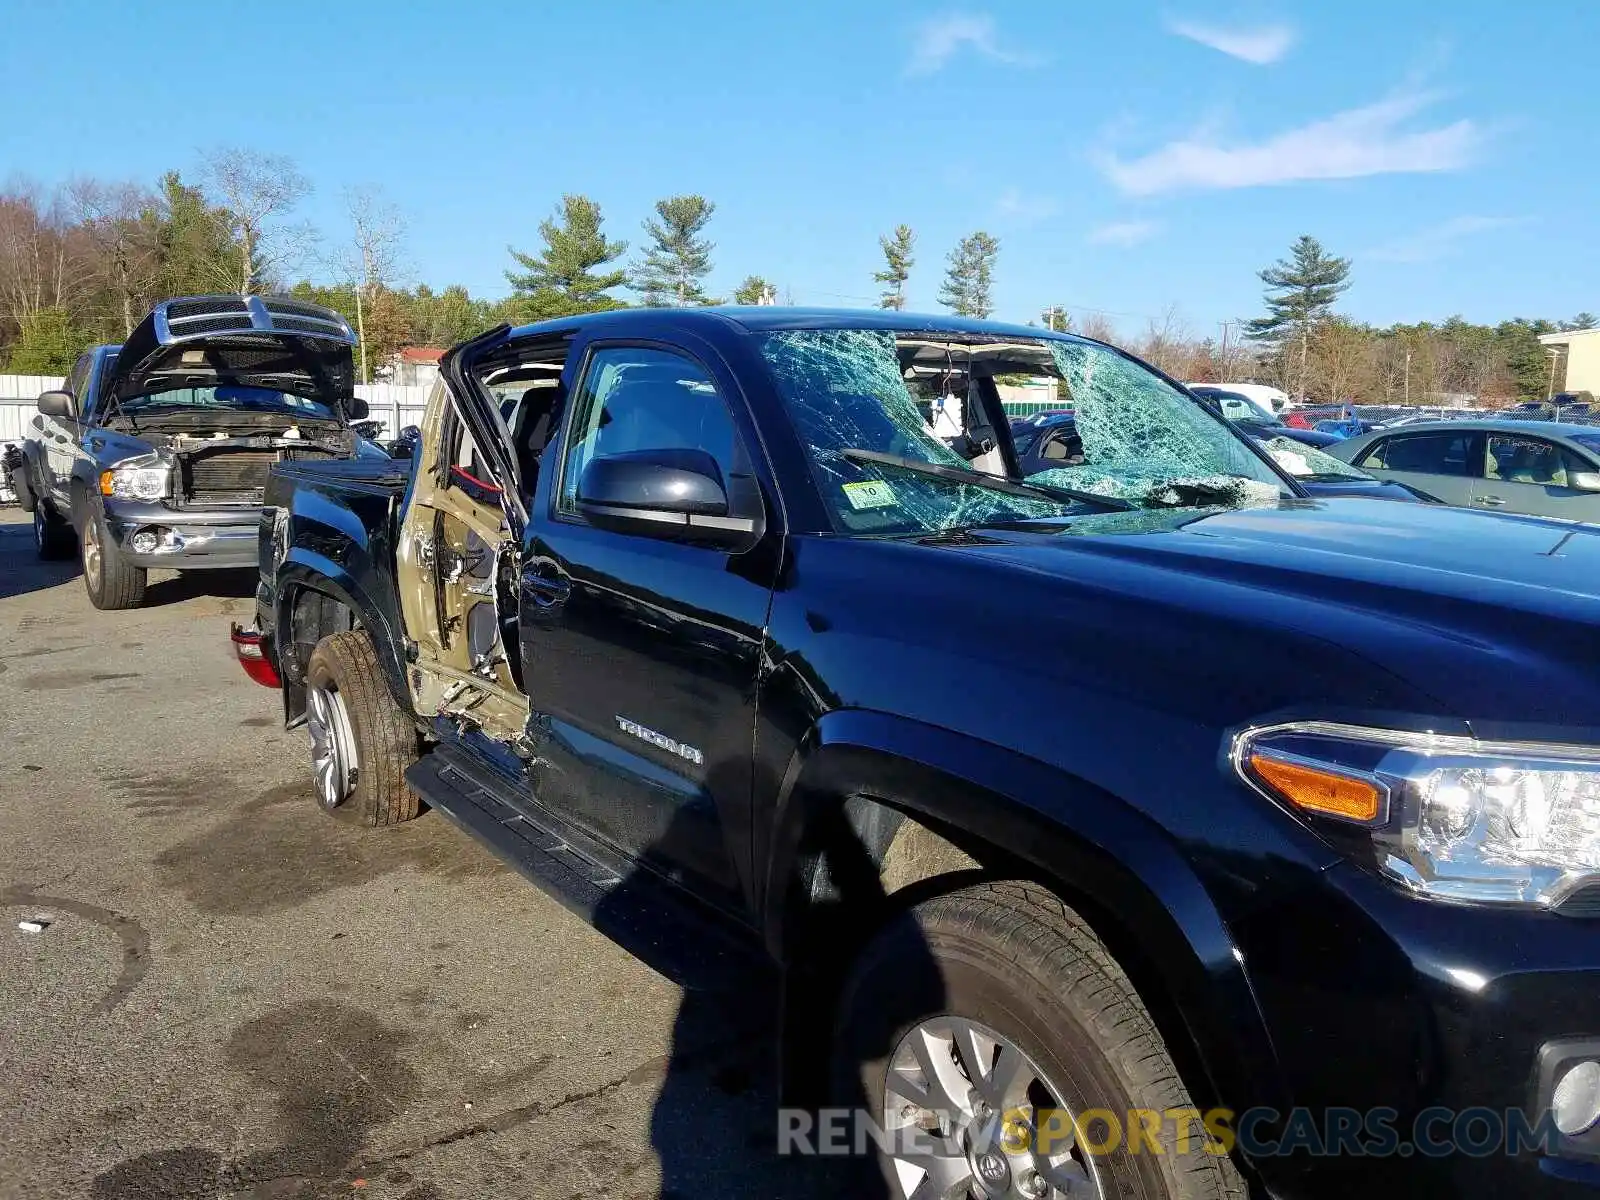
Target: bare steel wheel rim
[
  {"x": 91, "y": 550},
  {"x": 968, "y": 1116},
  {"x": 333, "y": 745}
]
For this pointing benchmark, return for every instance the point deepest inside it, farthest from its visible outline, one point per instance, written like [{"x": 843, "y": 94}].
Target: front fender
[{"x": 1073, "y": 836}]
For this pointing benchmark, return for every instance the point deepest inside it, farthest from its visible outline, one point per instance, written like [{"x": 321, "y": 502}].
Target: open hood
[{"x": 254, "y": 341}]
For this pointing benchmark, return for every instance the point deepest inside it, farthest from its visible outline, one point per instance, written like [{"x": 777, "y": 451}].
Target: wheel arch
[
  {"x": 314, "y": 597},
  {"x": 902, "y": 797}
]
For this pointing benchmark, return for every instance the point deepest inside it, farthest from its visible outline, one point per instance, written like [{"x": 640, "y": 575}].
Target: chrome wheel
[
  {"x": 91, "y": 549},
  {"x": 969, "y": 1116},
  {"x": 38, "y": 528},
  {"x": 333, "y": 745}
]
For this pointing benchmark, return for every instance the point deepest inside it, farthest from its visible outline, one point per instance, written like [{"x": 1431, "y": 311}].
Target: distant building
[
  {"x": 1580, "y": 355},
  {"x": 415, "y": 366}
]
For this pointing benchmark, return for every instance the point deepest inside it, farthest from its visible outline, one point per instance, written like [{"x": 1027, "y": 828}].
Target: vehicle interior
[{"x": 456, "y": 561}]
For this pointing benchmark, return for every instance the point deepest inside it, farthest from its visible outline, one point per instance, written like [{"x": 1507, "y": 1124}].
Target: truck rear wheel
[
  {"x": 995, "y": 1022},
  {"x": 52, "y": 537},
  {"x": 361, "y": 741},
  {"x": 110, "y": 581}
]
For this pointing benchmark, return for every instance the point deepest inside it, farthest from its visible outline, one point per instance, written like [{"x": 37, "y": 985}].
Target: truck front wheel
[
  {"x": 1001, "y": 1052},
  {"x": 361, "y": 742},
  {"x": 110, "y": 581}
]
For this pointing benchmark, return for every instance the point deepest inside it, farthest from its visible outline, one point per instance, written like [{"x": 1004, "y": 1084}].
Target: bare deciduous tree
[
  {"x": 257, "y": 190},
  {"x": 371, "y": 259},
  {"x": 42, "y": 259},
  {"x": 120, "y": 223}
]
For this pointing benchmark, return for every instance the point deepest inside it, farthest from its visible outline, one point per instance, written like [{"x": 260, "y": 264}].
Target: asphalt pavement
[{"x": 236, "y": 996}]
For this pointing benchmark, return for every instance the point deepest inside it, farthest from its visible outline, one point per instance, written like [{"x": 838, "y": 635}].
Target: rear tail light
[{"x": 250, "y": 647}]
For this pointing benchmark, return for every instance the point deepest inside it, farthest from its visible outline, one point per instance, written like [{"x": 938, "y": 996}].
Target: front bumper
[
  {"x": 187, "y": 539},
  {"x": 1437, "y": 1013}
]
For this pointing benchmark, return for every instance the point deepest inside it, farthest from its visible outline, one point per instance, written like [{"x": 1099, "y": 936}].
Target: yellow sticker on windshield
[{"x": 869, "y": 494}]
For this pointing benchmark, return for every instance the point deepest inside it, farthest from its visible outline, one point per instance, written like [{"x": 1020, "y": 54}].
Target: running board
[{"x": 630, "y": 904}]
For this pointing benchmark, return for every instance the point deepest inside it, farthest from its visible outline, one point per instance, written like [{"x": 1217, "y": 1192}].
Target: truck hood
[
  {"x": 1492, "y": 615},
  {"x": 253, "y": 341}
]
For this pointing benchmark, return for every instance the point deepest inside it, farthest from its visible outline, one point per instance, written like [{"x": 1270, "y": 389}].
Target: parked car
[
  {"x": 1541, "y": 468},
  {"x": 156, "y": 452},
  {"x": 1255, "y": 420},
  {"x": 1280, "y": 807},
  {"x": 1054, "y": 443},
  {"x": 1271, "y": 399}
]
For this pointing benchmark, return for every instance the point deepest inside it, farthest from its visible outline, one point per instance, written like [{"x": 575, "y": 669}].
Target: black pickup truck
[
  {"x": 155, "y": 453},
  {"x": 1142, "y": 828}
]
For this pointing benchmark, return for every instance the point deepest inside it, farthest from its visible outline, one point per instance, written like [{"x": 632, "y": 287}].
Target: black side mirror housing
[
  {"x": 57, "y": 404},
  {"x": 355, "y": 408},
  {"x": 406, "y": 442},
  {"x": 672, "y": 494}
]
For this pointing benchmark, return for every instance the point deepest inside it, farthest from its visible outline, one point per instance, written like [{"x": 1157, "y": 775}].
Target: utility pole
[
  {"x": 1408, "y": 375},
  {"x": 1225, "y": 353}
]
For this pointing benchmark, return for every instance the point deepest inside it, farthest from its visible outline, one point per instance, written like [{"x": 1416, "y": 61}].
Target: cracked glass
[{"x": 854, "y": 393}]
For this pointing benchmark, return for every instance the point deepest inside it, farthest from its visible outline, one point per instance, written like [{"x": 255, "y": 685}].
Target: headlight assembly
[
  {"x": 135, "y": 483},
  {"x": 1449, "y": 817}
]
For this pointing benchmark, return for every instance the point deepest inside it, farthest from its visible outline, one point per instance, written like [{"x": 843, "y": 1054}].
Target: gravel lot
[{"x": 238, "y": 996}]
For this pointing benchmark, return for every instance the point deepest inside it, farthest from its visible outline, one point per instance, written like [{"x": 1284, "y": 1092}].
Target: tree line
[{"x": 82, "y": 263}]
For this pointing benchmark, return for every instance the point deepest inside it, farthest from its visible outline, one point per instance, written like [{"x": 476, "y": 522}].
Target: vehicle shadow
[
  {"x": 21, "y": 569},
  {"x": 718, "y": 1126},
  {"x": 193, "y": 585}
]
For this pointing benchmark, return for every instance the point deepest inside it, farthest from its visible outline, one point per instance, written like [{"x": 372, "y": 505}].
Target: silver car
[{"x": 1542, "y": 468}]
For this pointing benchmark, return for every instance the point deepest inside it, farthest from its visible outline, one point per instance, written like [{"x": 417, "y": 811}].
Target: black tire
[
  {"x": 1016, "y": 959},
  {"x": 23, "y": 489},
  {"x": 112, "y": 583},
  {"x": 384, "y": 737},
  {"x": 52, "y": 537}
]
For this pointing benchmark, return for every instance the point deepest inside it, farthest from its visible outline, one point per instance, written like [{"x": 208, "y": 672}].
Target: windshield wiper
[{"x": 1011, "y": 487}]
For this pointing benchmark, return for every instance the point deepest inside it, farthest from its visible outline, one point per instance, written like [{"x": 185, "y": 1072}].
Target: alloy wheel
[
  {"x": 969, "y": 1116},
  {"x": 91, "y": 550},
  {"x": 333, "y": 745}
]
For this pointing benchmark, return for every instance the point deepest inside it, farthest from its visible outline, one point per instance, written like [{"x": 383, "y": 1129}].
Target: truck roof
[{"x": 771, "y": 318}]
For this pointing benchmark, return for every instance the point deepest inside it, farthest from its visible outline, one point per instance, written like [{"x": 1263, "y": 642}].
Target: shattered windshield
[{"x": 1145, "y": 443}]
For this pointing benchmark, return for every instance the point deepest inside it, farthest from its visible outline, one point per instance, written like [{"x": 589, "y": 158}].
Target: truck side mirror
[
  {"x": 1584, "y": 481},
  {"x": 674, "y": 494},
  {"x": 355, "y": 408},
  {"x": 57, "y": 404}
]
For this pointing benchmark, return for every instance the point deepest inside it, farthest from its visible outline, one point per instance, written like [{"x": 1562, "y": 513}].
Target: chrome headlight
[
  {"x": 1450, "y": 817},
  {"x": 135, "y": 482}
]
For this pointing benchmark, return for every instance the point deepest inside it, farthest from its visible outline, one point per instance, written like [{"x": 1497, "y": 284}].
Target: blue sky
[{"x": 1129, "y": 157}]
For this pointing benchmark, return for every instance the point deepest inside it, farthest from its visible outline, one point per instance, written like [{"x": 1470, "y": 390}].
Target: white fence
[{"x": 396, "y": 405}]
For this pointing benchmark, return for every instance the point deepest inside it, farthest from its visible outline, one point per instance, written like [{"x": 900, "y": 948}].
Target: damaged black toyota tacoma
[
  {"x": 156, "y": 452},
  {"x": 1141, "y": 828}
]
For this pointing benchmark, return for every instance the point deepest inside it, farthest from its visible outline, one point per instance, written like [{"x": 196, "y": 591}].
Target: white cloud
[
  {"x": 1437, "y": 241},
  {"x": 1348, "y": 145},
  {"x": 937, "y": 41},
  {"x": 1266, "y": 44},
  {"x": 1123, "y": 233},
  {"x": 1025, "y": 209}
]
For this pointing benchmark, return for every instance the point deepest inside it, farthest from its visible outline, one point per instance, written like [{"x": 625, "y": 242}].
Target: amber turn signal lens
[
  {"x": 105, "y": 483},
  {"x": 1320, "y": 791}
]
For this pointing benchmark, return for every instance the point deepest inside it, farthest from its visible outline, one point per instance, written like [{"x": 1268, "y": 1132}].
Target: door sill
[{"x": 658, "y": 923}]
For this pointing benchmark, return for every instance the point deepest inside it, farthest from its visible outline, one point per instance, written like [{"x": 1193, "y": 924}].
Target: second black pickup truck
[{"x": 1144, "y": 828}]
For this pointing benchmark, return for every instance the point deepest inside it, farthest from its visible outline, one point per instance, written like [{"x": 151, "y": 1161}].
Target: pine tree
[
  {"x": 1584, "y": 320},
  {"x": 1301, "y": 291},
  {"x": 565, "y": 269},
  {"x": 755, "y": 290},
  {"x": 968, "y": 280},
  {"x": 674, "y": 268},
  {"x": 898, "y": 256}
]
